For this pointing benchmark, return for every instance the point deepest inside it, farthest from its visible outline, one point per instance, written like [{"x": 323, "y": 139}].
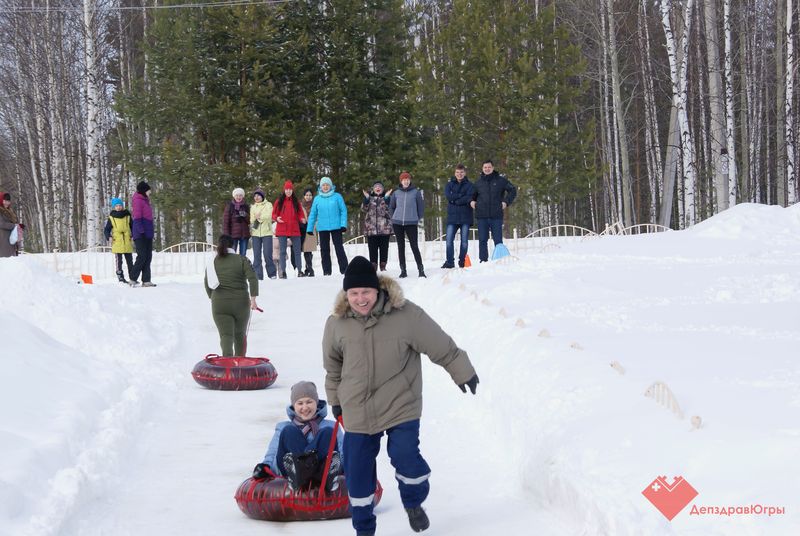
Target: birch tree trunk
[
  {"x": 652, "y": 144},
  {"x": 678, "y": 72},
  {"x": 791, "y": 179},
  {"x": 730, "y": 125},
  {"x": 619, "y": 115},
  {"x": 716, "y": 103},
  {"x": 780, "y": 104},
  {"x": 91, "y": 193}
]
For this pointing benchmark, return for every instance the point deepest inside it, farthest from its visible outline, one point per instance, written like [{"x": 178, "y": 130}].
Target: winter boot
[
  {"x": 121, "y": 277},
  {"x": 403, "y": 272},
  {"x": 422, "y": 272},
  {"x": 300, "y": 469},
  {"x": 300, "y": 273},
  {"x": 282, "y": 276},
  {"x": 332, "y": 482},
  {"x": 383, "y": 267},
  {"x": 365, "y": 533},
  {"x": 148, "y": 284},
  {"x": 374, "y": 266},
  {"x": 447, "y": 265},
  {"x": 309, "y": 272},
  {"x": 133, "y": 283},
  {"x": 418, "y": 519}
]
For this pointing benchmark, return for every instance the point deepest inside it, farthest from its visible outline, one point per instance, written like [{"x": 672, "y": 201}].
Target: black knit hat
[
  {"x": 142, "y": 187},
  {"x": 360, "y": 274}
]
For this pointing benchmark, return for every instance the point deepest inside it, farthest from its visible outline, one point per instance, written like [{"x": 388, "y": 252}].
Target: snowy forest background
[{"x": 600, "y": 111}]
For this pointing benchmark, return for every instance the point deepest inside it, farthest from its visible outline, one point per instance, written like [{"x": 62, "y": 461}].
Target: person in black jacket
[
  {"x": 459, "y": 192},
  {"x": 493, "y": 193}
]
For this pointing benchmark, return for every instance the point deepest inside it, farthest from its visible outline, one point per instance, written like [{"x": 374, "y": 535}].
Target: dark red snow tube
[
  {"x": 234, "y": 373},
  {"x": 273, "y": 500}
]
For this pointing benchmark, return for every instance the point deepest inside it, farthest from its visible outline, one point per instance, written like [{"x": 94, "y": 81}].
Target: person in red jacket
[{"x": 288, "y": 214}]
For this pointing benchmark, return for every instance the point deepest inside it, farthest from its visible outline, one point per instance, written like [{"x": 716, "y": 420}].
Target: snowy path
[{"x": 188, "y": 461}]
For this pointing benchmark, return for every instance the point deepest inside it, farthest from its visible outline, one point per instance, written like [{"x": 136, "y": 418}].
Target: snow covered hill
[{"x": 103, "y": 430}]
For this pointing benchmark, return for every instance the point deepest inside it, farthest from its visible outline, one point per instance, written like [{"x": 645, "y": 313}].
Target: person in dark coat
[
  {"x": 142, "y": 233},
  {"x": 8, "y": 221},
  {"x": 377, "y": 224},
  {"x": 459, "y": 192},
  {"x": 236, "y": 220},
  {"x": 493, "y": 193}
]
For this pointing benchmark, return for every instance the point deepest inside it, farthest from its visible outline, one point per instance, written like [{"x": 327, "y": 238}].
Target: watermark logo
[{"x": 669, "y": 497}]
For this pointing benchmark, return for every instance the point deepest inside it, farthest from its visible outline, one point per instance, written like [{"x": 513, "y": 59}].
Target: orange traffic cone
[{"x": 467, "y": 262}]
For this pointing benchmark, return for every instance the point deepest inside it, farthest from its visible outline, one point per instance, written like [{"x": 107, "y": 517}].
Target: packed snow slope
[{"x": 103, "y": 431}]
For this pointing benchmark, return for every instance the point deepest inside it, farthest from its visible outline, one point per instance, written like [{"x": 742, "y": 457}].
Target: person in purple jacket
[{"x": 142, "y": 235}]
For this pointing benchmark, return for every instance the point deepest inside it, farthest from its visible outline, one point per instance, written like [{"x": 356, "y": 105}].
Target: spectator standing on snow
[
  {"x": 407, "y": 208},
  {"x": 329, "y": 216},
  {"x": 377, "y": 224},
  {"x": 371, "y": 353},
  {"x": 142, "y": 232},
  {"x": 232, "y": 286},
  {"x": 459, "y": 192},
  {"x": 261, "y": 233},
  {"x": 493, "y": 193},
  {"x": 288, "y": 214},
  {"x": 300, "y": 446},
  {"x": 236, "y": 220},
  {"x": 118, "y": 229},
  {"x": 308, "y": 240},
  {"x": 8, "y": 221}
]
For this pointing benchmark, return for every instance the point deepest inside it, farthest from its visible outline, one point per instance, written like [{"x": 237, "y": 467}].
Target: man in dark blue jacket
[
  {"x": 493, "y": 193},
  {"x": 459, "y": 192}
]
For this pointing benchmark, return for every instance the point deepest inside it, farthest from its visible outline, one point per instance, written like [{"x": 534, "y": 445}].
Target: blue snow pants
[
  {"x": 411, "y": 470},
  {"x": 293, "y": 440}
]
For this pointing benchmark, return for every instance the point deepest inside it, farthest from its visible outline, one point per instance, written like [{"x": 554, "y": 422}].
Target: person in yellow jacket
[
  {"x": 261, "y": 233},
  {"x": 118, "y": 230}
]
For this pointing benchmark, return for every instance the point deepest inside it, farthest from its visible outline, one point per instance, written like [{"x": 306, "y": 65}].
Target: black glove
[
  {"x": 472, "y": 384},
  {"x": 262, "y": 471},
  {"x": 343, "y": 229},
  {"x": 337, "y": 411},
  {"x": 22, "y": 226}
]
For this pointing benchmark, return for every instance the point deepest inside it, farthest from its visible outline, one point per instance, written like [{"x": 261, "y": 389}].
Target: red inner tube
[
  {"x": 273, "y": 500},
  {"x": 237, "y": 373}
]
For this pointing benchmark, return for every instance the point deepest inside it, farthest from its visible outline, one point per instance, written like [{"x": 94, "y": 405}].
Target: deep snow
[{"x": 103, "y": 430}]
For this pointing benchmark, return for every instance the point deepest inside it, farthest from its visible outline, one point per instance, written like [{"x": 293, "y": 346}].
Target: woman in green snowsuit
[{"x": 227, "y": 280}]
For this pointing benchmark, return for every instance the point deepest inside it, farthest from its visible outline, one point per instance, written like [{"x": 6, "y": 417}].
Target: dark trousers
[
  {"x": 495, "y": 225},
  {"x": 401, "y": 231},
  {"x": 128, "y": 261},
  {"x": 450, "y": 238},
  {"x": 411, "y": 470},
  {"x": 325, "y": 250},
  {"x": 292, "y": 440},
  {"x": 144, "y": 254},
  {"x": 378, "y": 246}
]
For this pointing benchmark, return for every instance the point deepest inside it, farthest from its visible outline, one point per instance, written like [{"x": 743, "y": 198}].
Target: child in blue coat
[{"x": 299, "y": 447}]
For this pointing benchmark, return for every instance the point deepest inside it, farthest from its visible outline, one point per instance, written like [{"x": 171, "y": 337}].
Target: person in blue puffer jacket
[
  {"x": 329, "y": 214},
  {"x": 299, "y": 447},
  {"x": 407, "y": 208}
]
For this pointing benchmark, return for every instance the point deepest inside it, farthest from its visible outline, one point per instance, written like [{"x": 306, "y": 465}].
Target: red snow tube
[
  {"x": 273, "y": 500},
  {"x": 234, "y": 373}
]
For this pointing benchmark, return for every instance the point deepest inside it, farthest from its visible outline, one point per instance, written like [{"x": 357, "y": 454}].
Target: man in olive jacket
[{"x": 371, "y": 353}]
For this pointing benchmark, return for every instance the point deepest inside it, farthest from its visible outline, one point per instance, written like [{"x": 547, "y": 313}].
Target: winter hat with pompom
[{"x": 116, "y": 201}]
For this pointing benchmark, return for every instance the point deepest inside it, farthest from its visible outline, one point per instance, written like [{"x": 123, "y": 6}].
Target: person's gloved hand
[
  {"x": 262, "y": 471},
  {"x": 337, "y": 411},
  {"x": 472, "y": 384},
  {"x": 344, "y": 229},
  {"x": 22, "y": 226}
]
